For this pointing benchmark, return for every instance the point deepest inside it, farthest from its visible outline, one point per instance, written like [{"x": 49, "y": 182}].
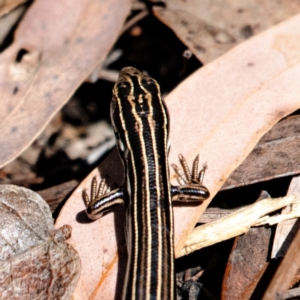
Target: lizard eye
[
  {"x": 121, "y": 85},
  {"x": 122, "y": 89},
  {"x": 151, "y": 85}
]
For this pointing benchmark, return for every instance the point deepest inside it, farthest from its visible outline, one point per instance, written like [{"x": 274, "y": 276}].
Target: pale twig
[{"x": 234, "y": 224}]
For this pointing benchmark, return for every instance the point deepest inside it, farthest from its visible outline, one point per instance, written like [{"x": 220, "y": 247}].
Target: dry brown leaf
[
  {"x": 276, "y": 155},
  {"x": 56, "y": 194},
  {"x": 247, "y": 263},
  {"x": 195, "y": 33},
  {"x": 211, "y": 29},
  {"x": 242, "y": 275},
  {"x": 221, "y": 112},
  {"x": 8, "y": 5},
  {"x": 9, "y": 20},
  {"x": 98, "y": 240},
  {"x": 56, "y": 47},
  {"x": 35, "y": 262}
]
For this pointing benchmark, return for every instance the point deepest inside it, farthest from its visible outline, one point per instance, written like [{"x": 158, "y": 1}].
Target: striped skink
[{"x": 141, "y": 124}]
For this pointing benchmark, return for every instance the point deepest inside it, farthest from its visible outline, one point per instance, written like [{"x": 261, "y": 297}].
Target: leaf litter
[
  {"x": 35, "y": 261},
  {"x": 238, "y": 86}
]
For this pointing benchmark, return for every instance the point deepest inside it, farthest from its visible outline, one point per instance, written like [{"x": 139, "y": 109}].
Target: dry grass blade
[
  {"x": 221, "y": 112},
  {"x": 56, "y": 47}
]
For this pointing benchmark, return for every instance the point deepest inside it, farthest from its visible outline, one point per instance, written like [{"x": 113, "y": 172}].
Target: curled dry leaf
[
  {"x": 56, "y": 47},
  {"x": 221, "y": 112},
  {"x": 35, "y": 262}
]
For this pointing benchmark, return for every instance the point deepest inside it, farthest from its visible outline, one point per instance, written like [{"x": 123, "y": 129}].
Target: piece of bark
[
  {"x": 56, "y": 47},
  {"x": 247, "y": 263},
  {"x": 286, "y": 272},
  {"x": 211, "y": 29},
  {"x": 276, "y": 155},
  {"x": 286, "y": 231},
  {"x": 35, "y": 262},
  {"x": 56, "y": 194},
  {"x": 221, "y": 112}
]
